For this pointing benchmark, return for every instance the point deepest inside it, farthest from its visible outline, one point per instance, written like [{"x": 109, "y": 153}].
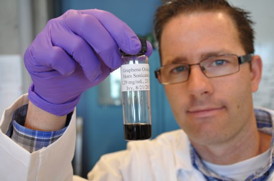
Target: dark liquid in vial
[{"x": 137, "y": 131}]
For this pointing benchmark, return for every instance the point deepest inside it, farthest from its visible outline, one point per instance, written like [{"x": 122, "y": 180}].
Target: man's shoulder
[
  {"x": 259, "y": 110},
  {"x": 171, "y": 136},
  {"x": 264, "y": 115}
]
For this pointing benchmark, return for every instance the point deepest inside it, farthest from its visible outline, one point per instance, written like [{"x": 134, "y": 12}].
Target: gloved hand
[{"x": 74, "y": 52}]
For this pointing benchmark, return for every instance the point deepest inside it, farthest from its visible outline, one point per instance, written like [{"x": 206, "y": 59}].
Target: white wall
[
  {"x": 20, "y": 21},
  {"x": 263, "y": 14},
  {"x": 9, "y": 31}
]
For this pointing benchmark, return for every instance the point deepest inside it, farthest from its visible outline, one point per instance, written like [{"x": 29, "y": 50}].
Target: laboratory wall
[
  {"x": 20, "y": 21},
  {"x": 11, "y": 85},
  {"x": 9, "y": 31},
  {"x": 263, "y": 16}
]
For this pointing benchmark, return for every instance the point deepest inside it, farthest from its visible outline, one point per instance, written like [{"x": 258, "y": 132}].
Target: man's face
[{"x": 209, "y": 110}]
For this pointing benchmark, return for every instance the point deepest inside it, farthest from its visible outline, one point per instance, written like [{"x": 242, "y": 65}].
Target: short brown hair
[{"x": 240, "y": 17}]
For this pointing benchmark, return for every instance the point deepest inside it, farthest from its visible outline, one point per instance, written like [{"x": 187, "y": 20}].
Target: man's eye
[
  {"x": 220, "y": 62},
  {"x": 179, "y": 69}
]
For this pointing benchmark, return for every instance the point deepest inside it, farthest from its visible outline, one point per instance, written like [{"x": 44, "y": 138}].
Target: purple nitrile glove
[{"x": 74, "y": 52}]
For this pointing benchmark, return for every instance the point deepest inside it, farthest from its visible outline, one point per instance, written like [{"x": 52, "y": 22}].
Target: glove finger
[
  {"x": 91, "y": 30},
  {"x": 41, "y": 57},
  {"x": 124, "y": 36},
  {"x": 78, "y": 49}
]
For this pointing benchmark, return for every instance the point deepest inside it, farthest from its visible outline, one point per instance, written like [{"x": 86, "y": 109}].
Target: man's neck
[{"x": 245, "y": 145}]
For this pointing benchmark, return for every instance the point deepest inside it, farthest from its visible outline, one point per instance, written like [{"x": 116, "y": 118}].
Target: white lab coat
[
  {"x": 166, "y": 158},
  {"x": 52, "y": 163}
]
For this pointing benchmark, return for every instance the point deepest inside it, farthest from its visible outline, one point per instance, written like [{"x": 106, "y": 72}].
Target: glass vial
[{"x": 135, "y": 87}]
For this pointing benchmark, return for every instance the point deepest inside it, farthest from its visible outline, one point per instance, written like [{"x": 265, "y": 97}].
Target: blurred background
[{"x": 100, "y": 123}]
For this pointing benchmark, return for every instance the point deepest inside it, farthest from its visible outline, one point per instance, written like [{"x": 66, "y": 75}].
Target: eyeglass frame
[{"x": 241, "y": 59}]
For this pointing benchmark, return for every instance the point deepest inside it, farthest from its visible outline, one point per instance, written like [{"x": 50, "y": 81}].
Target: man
[{"x": 209, "y": 72}]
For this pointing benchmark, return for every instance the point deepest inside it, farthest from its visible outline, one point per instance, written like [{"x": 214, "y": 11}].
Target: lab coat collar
[{"x": 183, "y": 152}]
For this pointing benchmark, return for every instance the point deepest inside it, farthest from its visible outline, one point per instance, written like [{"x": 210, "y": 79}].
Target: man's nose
[{"x": 198, "y": 83}]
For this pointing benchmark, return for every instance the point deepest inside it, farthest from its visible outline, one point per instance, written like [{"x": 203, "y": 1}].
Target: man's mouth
[{"x": 204, "y": 111}]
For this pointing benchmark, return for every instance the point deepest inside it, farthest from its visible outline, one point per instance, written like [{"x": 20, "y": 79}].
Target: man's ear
[{"x": 256, "y": 72}]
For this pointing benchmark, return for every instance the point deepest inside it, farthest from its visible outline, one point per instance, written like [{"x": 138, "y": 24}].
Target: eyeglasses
[{"x": 215, "y": 66}]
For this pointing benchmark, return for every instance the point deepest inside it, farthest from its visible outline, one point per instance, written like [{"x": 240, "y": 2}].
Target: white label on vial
[{"x": 135, "y": 77}]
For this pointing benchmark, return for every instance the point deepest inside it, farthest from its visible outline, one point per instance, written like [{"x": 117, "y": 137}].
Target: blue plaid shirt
[
  {"x": 33, "y": 140},
  {"x": 29, "y": 139}
]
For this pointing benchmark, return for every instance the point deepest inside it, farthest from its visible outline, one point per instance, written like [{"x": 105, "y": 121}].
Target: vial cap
[{"x": 141, "y": 52}]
